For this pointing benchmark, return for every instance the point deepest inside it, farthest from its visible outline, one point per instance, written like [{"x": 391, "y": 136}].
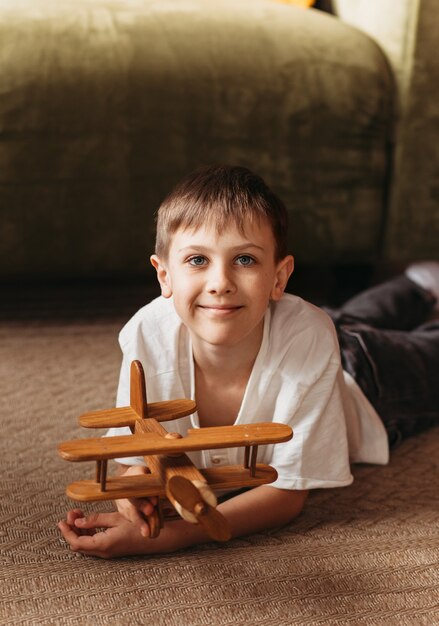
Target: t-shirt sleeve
[{"x": 318, "y": 455}]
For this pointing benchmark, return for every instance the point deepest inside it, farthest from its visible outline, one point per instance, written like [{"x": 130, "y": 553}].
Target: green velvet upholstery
[{"x": 105, "y": 104}]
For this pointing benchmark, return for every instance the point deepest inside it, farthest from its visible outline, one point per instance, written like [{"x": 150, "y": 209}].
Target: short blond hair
[{"x": 220, "y": 195}]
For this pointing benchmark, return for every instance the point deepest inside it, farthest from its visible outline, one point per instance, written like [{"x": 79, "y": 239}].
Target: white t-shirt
[{"x": 296, "y": 379}]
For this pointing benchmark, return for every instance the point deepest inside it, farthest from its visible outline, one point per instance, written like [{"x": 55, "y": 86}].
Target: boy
[{"x": 225, "y": 334}]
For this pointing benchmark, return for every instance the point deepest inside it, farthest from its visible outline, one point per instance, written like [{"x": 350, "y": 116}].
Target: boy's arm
[
  {"x": 253, "y": 511},
  {"x": 260, "y": 509}
]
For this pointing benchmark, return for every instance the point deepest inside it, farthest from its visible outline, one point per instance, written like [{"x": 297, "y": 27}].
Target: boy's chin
[
  {"x": 217, "y": 340},
  {"x": 223, "y": 338}
]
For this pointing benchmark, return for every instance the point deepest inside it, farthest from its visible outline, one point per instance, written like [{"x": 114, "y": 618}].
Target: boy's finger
[
  {"x": 85, "y": 544},
  {"x": 66, "y": 529},
  {"x": 109, "y": 520},
  {"x": 73, "y": 515},
  {"x": 96, "y": 520},
  {"x": 70, "y": 534},
  {"x": 137, "y": 518},
  {"x": 143, "y": 504}
]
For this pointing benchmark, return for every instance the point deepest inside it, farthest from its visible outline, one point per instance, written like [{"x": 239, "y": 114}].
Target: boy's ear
[
  {"x": 162, "y": 276},
  {"x": 284, "y": 269}
]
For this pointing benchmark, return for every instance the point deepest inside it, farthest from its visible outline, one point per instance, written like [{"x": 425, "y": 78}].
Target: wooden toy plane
[{"x": 173, "y": 475}]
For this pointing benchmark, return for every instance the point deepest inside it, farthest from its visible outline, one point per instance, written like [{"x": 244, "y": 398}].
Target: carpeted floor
[{"x": 362, "y": 555}]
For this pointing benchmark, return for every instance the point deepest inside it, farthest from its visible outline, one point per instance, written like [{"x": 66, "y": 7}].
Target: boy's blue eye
[
  {"x": 197, "y": 261},
  {"x": 244, "y": 259}
]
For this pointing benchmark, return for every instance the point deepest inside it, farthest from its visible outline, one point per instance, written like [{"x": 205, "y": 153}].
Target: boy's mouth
[{"x": 220, "y": 309}]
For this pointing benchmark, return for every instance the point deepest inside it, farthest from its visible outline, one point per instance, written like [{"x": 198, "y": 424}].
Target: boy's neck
[
  {"x": 221, "y": 377},
  {"x": 224, "y": 362}
]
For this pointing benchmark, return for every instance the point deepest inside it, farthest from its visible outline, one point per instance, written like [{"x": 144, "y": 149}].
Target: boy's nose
[{"x": 219, "y": 281}]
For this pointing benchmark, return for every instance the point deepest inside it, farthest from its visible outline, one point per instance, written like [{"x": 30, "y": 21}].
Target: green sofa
[{"x": 105, "y": 104}]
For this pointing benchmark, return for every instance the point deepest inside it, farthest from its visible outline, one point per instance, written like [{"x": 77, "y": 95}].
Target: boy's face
[{"x": 222, "y": 284}]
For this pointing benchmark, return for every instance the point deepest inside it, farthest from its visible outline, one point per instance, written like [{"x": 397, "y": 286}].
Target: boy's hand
[
  {"x": 109, "y": 535},
  {"x": 137, "y": 510},
  {"x": 105, "y": 535}
]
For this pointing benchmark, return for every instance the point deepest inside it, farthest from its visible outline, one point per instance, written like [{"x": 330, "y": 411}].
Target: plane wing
[
  {"x": 147, "y": 444},
  {"x": 126, "y": 416},
  {"x": 147, "y": 485}
]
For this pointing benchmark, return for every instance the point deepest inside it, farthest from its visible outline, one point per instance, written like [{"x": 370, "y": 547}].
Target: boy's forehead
[{"x": 257, "y": 231}]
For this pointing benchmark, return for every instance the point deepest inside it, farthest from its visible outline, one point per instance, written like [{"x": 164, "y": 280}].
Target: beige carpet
[{"x": 366, "y": 554}]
